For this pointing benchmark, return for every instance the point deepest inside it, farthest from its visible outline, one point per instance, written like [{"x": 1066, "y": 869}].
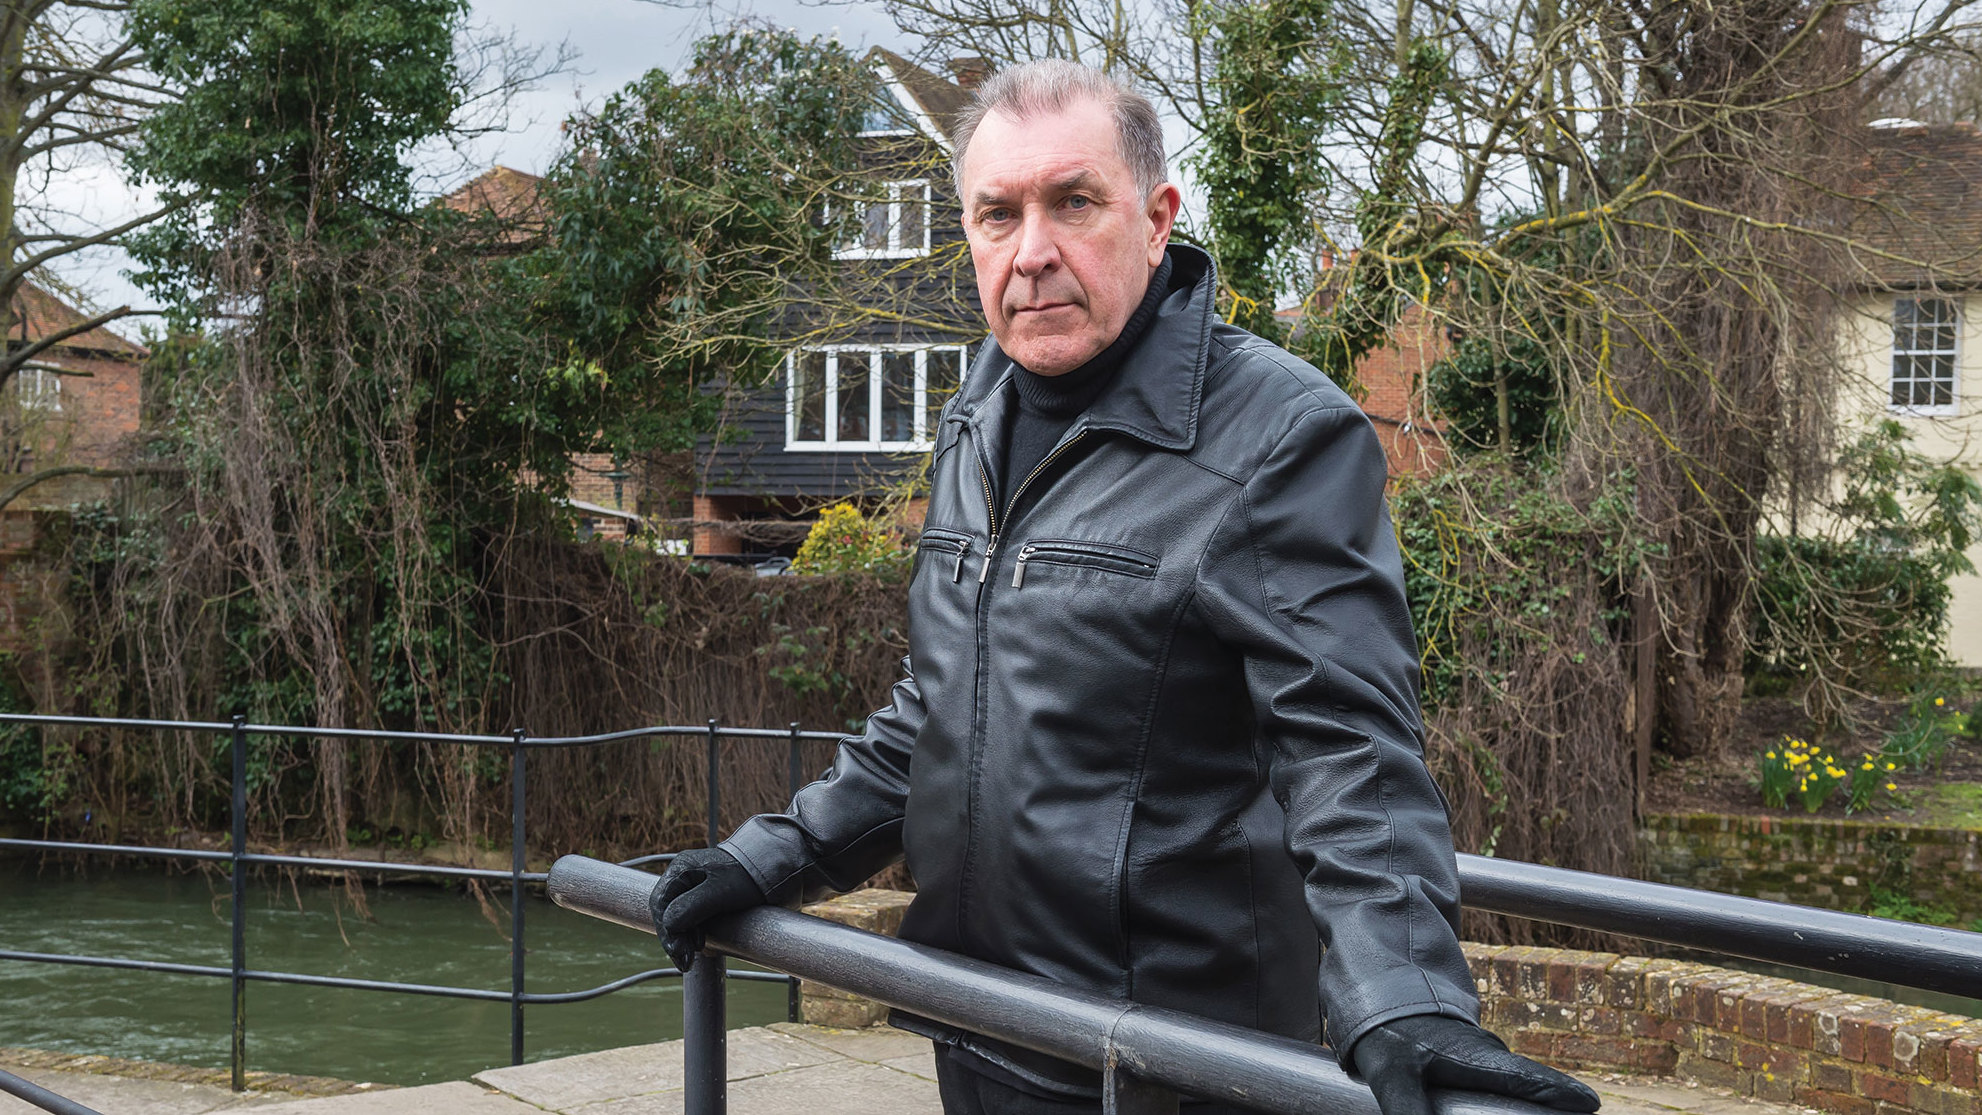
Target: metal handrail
[
  {"x": 1134, "y": 1046},
  {"x": 1932, "y": 957},
  {"x": 1146, "y": 1054},
  {"x": 1936, "y": 958},
  {"x": 238, "y": 859},
  {"x": 41, "y": 1097}
]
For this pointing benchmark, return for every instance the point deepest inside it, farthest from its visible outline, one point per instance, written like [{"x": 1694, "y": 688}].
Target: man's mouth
[{"x": 1041, "y": 308}]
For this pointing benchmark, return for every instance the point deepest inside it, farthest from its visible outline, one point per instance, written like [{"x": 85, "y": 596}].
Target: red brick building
[
  {"x": 75, "y": 403},
  {"x": 1393, "y": 379}
]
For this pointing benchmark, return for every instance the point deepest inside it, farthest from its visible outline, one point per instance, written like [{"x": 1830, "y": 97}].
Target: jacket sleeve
[
  {"x": 1304, "y": 579},
  {"x": 847, "y": 825}
]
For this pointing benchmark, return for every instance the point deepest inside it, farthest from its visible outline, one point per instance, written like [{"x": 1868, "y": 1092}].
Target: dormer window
[
  {"x": 883, "y": 120},
  {"x": 894, "y": 222},
  {"x": 1926, "y": 349}
]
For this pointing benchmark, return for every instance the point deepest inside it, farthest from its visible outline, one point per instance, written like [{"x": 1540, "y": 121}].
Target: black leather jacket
[{"x": 1159, "y": 720}]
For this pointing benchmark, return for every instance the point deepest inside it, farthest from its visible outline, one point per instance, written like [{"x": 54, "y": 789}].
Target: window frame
[
  {"x": 923, "y": 437},
  {"x": 46, "y": 394},
  {"x": 1895, "y": 353},
  {"x": 894, "y": 249}
]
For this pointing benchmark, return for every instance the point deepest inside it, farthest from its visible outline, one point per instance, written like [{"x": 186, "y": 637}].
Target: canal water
[{"x": 409, "y": 933}]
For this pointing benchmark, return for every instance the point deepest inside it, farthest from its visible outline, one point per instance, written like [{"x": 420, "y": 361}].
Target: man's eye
[
  {"x": 997, "y": 214},
  {"x": 1077, "y": 201}
]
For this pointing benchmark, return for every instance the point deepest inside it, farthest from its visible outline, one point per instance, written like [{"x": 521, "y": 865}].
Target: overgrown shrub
[{"x": 1518, "y": 600}]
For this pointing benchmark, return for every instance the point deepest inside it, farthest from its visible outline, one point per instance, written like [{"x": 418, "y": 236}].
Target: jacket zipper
[
  {"x": 991, "y": 509},
  {"x": 977, "y": 727},
  {"x": 957, "y": 546},
  {"x": 1033, "y": 548}
]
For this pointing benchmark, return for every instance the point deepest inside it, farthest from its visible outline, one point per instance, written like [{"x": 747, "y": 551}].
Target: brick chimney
[{"x": 969, "y": 72}]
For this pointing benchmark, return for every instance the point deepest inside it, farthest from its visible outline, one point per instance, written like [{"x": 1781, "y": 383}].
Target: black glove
[
  {"x": 700, "y": 884},
  {"x": 1400, "y": 1058}
]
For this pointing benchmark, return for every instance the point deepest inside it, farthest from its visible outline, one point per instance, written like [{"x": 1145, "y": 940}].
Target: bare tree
[{"x": 73, "y": 89}]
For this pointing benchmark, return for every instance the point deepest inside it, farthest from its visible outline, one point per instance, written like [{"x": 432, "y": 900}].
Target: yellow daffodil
[
  {"x": 1938, "y": 702},
  {"x": 1890, "y": 786}
]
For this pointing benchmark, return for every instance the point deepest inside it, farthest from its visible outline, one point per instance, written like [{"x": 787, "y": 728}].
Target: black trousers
[{"x": 965, "y": 1092}]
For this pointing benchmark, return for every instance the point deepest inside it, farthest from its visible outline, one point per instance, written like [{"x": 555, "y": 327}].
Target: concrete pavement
[{"x": 785, "y": 1069}]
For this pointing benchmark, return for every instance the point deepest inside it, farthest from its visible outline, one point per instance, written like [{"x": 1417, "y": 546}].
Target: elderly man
[{"x": 1158, "y": 736}]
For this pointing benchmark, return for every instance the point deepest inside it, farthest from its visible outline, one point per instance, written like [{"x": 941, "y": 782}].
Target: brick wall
[
  {"x": 1774, "y": 1039},
  {"x": 1394, "y": 378},
  {"x": 1816, "y": 862}
]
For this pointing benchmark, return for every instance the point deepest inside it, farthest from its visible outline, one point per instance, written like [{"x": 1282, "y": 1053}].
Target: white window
[
  {"x": 868, "y": 397},
  {"x": 38, "y": 389},
  {"x": 1926, "y": 347},
  {"x": 894, "y": 222},
  {"x": 883, "y": 119}
]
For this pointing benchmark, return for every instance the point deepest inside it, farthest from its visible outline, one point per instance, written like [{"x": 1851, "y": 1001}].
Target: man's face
[{"x": 1062, "y": 240}]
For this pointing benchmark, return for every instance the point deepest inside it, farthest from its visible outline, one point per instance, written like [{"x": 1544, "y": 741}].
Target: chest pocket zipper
[
  {"x": 1115, "y": 559},
  {"x": 946, "y": 542}
]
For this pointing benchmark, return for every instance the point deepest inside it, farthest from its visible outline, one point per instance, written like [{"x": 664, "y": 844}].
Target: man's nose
[{"x": 1038, "y": 251}]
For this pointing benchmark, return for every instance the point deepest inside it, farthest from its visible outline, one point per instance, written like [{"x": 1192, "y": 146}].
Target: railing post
[
  {"x": 516, "y": 868},
  {"x": 795, "y": 777},
  {"x": 715, "y": 784},
  {"x": 704, "y": 1040},
  {"x": 238, "y": 1056},
  {"x": 1123, "y": 1093}
]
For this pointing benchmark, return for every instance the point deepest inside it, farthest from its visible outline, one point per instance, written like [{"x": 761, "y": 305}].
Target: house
[
  {"x": 851, "y": 412},
  {"x": 1904, "y": 343},
  {"x": 605, "y": 493},
  {"x": 1394, "y": 379},
  {"x": 75, "y": 402}
]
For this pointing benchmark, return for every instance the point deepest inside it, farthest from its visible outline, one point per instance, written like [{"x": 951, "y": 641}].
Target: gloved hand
[
  {"x": 1399, "y": 1059},
  {"x": 700, "y": 884}
]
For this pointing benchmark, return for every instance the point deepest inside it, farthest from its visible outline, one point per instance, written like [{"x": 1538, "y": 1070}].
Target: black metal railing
[
  {"x": 239, "y": 859},
  {"x": 1148, "y": 1055}
]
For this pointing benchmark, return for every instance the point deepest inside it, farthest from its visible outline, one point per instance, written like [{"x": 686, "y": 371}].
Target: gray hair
[{"x": 1050, "y": 85}]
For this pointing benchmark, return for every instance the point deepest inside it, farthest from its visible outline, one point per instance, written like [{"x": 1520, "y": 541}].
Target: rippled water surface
[{"x": 410, "y": 933}]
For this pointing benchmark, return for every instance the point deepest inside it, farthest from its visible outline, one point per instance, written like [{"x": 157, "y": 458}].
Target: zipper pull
[
  {"x": 990, "y": 549},
  {"x": 1018, "y": 571},
  {"x": 956, "y": 571}
]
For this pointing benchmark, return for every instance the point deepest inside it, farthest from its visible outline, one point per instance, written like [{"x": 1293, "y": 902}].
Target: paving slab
[
  {"x": 454, "y": 1098},
  {"x": 873, "y": 1044},
  {"x": 115, "y": 1095},
  {"x": 1663, "y": 1096},
  {"x": 591, "y": 1078},
  {"x": 921, "y": 1064},
  {"x": 836, "y": 1088},
  {"x": 783, "y": 1069}
]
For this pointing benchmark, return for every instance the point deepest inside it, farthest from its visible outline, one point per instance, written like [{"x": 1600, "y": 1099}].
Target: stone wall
[
  {"x": 1770, "y": 1038},
  {"x": 1817, "y": 862},
  {"x": 877, "y": 911}
]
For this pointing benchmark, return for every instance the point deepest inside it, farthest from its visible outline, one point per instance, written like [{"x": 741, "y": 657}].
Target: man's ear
[{"x": 1164, "y": 203}]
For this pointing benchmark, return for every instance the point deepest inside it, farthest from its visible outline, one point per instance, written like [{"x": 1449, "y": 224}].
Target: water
[{"x": 414, "y": 934}]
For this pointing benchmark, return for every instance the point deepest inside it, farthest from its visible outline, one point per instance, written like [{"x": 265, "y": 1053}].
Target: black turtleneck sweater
[{"x": 1048, "y": 405}]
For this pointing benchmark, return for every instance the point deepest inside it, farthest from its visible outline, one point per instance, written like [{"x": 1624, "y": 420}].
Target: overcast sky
[{"x": 613, "y": 42}]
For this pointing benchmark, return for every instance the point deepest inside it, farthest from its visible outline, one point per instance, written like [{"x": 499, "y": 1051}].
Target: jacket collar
[{"x": 1156, "y": 393}]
